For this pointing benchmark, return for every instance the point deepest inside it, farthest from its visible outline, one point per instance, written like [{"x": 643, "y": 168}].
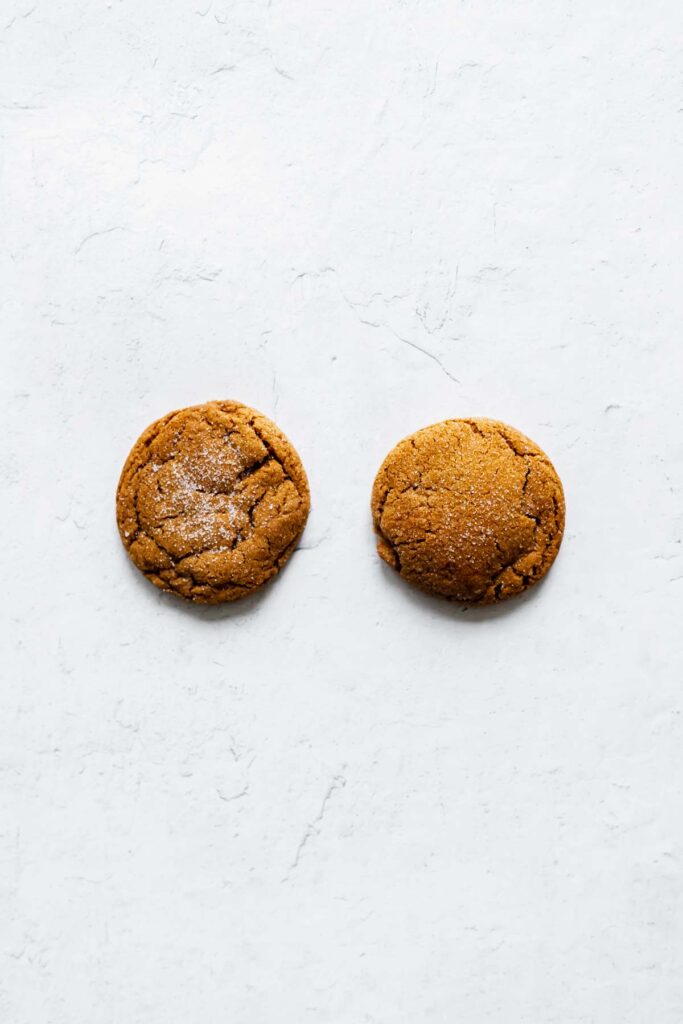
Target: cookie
[
  {"x": 470, "y": 510},
  {"x": 211, "y": 502}
]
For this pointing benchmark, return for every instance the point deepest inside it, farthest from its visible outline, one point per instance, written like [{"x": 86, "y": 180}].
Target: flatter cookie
[
  {"x": 212, "y": 501},
  {"x": 470, "y": 510}
]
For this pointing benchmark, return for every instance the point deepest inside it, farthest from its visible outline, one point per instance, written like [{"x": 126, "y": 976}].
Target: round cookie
[
  {"x": 212, "y": 501},
  {"x": 470, "y": 510}
]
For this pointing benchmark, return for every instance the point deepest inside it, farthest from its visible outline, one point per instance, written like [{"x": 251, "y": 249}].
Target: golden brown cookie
[
  {"x": 212, "y": 501},
  {"x": 468, "y": 509}
]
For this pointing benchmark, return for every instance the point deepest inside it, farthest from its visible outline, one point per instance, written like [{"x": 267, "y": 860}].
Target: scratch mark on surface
[
  {"x": 338, "y": 782},
  {"x": 96, "y": 234},
  {"x": 236, "y": 796},
  {"x": 313, "y": 274},
  {"x": 432, "y": 88},
  {"x": 426, "y": 352},
  {"x": 23, "y": 17},
  {"x": 280, "y": 71},
  {"x": 406, "y": 341},
  {"x": 450, "y": 295},
  {"x": 276, "y": 393},
  {"x": 20, "y": 106}
]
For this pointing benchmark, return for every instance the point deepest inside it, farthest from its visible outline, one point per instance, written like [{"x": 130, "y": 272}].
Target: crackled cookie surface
[
  {"x": 211, "y": 502},
  {"x": 468, "y": 509}
]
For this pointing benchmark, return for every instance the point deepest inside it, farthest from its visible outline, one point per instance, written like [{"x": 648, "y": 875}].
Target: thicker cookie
[{"x": 212, "y": 501}]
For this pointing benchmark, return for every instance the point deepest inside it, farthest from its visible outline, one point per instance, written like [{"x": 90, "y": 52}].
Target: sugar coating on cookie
[
  {"x": 470, "y": 510},
  {"x": 212, "y": 501}
]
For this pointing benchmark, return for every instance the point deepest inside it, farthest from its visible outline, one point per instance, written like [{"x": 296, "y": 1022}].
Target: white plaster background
[{"x": 342, "y": 802}]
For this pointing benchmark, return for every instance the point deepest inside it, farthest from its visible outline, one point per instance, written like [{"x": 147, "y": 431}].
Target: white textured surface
[{"x": 342, "y": 802}]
